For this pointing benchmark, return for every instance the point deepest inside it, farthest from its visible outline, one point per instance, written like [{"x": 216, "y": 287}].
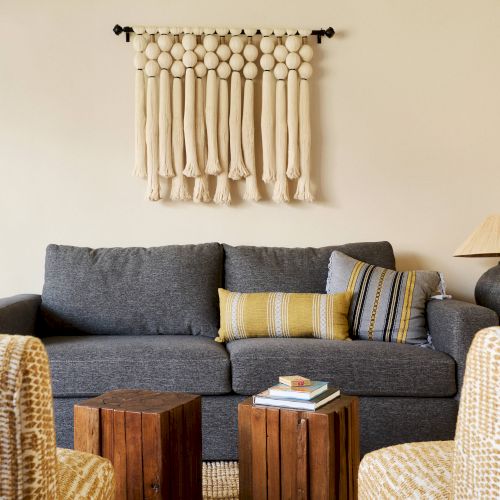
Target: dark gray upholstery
[
  {"x": 133, "y": 291},
  {"x": 359, "y": 367},
  {"x": 63, "y": 417},
  {"x": 452, "y": 326},
  {"x": 273, "y": 269},
  {"x": 18, "y": 314},
  {"x": 220, "y": 427},
  {"x": 388, "y": 421},
  {"x": 93, "y": 364},
  {"x": 407, "y": 393},
  {"x": 383, "y": 421}
]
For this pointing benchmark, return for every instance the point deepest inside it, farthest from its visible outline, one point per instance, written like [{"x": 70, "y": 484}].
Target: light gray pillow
[{"x": 386, "y": 305}]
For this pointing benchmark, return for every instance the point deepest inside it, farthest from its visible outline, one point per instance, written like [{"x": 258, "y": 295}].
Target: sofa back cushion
[
  {"x": 169, "y": 290},
  {"x": 273, "y": 269}
]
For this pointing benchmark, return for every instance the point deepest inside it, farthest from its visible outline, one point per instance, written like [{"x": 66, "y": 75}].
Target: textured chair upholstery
[
  {"x": 466, "y": 468},
  {"x": 476, "y": 458},
  {"x": 30, "y": 465}
]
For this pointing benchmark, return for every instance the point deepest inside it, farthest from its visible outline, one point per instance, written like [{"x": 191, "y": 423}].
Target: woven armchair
[
  {"x": 30, "y": 465},
  {"x": 466, "y": 468}
]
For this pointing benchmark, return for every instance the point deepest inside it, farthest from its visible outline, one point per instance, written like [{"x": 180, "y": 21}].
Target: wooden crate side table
[
  {"x": 291, "y": 454},
  {"x": 152, "y": 438}
]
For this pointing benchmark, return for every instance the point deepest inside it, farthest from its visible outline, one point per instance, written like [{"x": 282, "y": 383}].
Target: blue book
[{"x": 297, "y": 404}]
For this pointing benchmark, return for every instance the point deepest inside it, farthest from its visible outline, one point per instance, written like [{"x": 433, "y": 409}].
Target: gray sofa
[{"x": 146, "y": 318}]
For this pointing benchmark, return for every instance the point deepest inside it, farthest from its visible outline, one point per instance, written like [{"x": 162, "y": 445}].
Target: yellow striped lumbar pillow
[{"x": 276, "y": 314}]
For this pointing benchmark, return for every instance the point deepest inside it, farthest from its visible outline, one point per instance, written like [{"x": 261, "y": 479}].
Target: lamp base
[{"x": 487, "y": 291}]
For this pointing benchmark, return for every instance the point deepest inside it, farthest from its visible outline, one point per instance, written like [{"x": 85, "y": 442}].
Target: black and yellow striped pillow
[
  {"x": 276, "y": 314},
  {"x": 386, "y": 305}
]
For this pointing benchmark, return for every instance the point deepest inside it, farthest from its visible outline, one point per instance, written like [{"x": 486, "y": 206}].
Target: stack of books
[{"x": 298, "y": 393}]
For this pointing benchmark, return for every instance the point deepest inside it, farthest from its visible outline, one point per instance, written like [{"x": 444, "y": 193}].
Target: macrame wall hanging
[{"x": 195, "y": 114}]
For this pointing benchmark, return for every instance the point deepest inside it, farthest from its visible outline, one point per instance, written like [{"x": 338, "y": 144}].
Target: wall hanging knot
[{"x": 195, "y": 110}]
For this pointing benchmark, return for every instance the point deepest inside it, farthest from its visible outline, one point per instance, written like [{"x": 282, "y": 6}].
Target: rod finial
[
  {"x": 329, "y": 32},
  {"x": 117, "y": 30}
]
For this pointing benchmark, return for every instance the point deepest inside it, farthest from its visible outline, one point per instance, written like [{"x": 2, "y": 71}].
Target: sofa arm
[
  {"x": 453, "y": 324},
  {"x": 18, "y": 314}
]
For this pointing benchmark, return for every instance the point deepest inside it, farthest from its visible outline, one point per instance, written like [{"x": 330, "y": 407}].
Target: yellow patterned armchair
[
  {"x": 466, "y": 468},
  {"x": 30, "y": 465}
]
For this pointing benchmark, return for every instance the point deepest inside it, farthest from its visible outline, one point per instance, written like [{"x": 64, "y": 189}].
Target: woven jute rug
[{"x": 220, "y": 481}]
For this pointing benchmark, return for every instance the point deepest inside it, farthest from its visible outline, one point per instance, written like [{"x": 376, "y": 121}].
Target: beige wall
[{"x": 406, "y": 147}]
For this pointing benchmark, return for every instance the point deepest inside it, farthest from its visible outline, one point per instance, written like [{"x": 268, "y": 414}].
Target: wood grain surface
[
  {"x": 292, "y": 454},
  {"x": 152, "y": 438}
]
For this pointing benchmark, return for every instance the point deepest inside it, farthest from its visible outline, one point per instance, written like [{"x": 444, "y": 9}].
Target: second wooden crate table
[{"x": 297, "y": 454}]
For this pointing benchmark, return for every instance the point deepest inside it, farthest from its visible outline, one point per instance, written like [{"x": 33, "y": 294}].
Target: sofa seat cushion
[
  {"x": 360, "y": 367},
  {"x": 93, "y": 364}
]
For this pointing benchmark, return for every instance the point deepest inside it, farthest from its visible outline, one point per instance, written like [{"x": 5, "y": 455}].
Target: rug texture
[{"x": 220, "y": 481}]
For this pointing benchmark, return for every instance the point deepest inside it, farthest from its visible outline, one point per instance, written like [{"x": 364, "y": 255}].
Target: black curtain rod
[{"x": 328, "y": 32}]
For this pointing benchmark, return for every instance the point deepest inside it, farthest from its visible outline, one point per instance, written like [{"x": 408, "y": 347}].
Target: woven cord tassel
[
  {"x": 179, "y": 183},
  {"x": 293, "y": 62},
  {"x": 189, "y": 60},
  {"x": 237, "y": 168},
  {"x": 152, "y": 71},
  {"x": 268, "y": 110},
  {"x": 303, "y": 191},
  {"x": 248, "y": 126},
  {"x": 222, "y": 191},
  {"x": 211, "y": 60},
  {"x": 280, "y": 192},
  {"x": 140, "y": 43},
  {"x": 165, "y": 107},
  {"x": 201, "y": 189}
]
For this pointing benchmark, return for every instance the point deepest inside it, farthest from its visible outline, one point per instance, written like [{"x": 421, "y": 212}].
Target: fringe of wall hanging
[{"x": 195, "y": 111}]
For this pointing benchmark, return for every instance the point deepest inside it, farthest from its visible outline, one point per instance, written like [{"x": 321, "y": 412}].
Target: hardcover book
[
  {"x": 265, "y": 399},
  {"x": 294, "y": 380},
  {"x": 307, "y": 393}
]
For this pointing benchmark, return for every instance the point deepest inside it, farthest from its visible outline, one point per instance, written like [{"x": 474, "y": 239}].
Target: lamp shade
[{"x": 484, "y": 241}]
